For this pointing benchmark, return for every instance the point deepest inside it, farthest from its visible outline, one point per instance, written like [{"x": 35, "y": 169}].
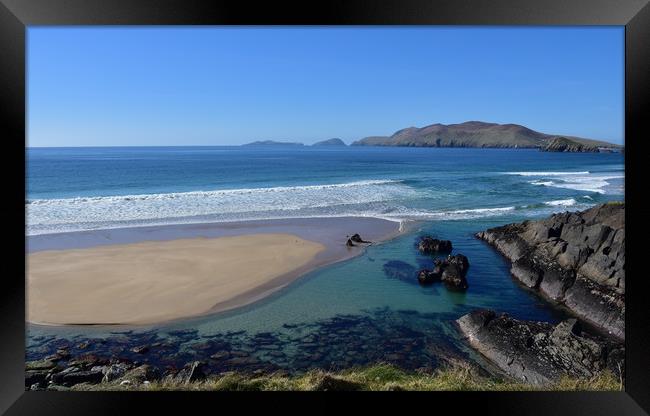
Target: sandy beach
[{"x": 150, "y": 275}]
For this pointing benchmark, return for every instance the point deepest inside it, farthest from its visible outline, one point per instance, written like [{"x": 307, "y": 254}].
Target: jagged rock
[
  {"x": 191, "y": 372},
  {"x": 430, "y": 245},
  {"x": 454, "y": 278},
  {"x": 73, "y": 375},
  {"x": 142, "y": 373},
  {"x": 574, "y": 258},
  {"x": 538, "y": 352},
  {"x": 357, "y": 239},
  {"x": 114, "y": 371},
  {"x": 349, "y": 243},
  {"x": 451, "y": 271},
  {"x": 426, "y": 276},
  {"x": 35, "y": 378}
]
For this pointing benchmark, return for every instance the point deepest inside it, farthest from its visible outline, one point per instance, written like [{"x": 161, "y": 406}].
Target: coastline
[{"x": 329, "y": 232}]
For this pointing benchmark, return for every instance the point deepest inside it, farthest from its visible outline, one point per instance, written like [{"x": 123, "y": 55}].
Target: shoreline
[{"x": 330, "y": 232}]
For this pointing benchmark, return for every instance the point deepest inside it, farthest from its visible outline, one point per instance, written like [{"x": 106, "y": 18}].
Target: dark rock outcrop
[
  {"x": 141, "y": 374},
  {"x": 76, "y": 375},
  {"x": 426, "y": 277},
  {"x": 574, "y": 258},
  {"x": 357, "y": 239},
  {"x": 191, "y": 372},
  {"x": 538, "y": 352},
  {"x": 430, "y": 245},
  {"x": 454, "y": 271},
  {"x": 451, "y": 271}
]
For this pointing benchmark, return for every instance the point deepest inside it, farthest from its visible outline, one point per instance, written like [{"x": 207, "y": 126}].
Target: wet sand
[{"x": 149, "y": 275}]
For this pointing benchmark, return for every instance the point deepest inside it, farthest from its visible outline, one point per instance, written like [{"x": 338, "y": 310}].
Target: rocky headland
[
  {"x": 574, "y": 258},
  {"x": 562, "y": 144},
  {"x": 486, "y": 135}
]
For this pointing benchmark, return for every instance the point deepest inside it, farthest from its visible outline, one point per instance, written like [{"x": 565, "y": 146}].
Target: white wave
[
  {"x": 547, "y": 173},
  {"x": 588, "y": 183},
  {"x": 216, "y": 193},
  {"x": 562, "y": 202},
  {"x": 460, "y": 214},
  {"x": 542, "y": 183},
  {"x": 74, "y": 214},
  {"x": 579, "y": 181}
]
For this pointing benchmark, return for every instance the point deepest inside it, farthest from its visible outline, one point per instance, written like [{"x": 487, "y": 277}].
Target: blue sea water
[
  {"x": 345, "y": 308},
  {"x": 88, "y": 188}
]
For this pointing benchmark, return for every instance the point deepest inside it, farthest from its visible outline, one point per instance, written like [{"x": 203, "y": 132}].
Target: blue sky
[{"x": 220, "y": 86}]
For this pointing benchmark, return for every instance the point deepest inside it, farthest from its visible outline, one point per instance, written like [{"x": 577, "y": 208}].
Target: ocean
[
  {"x": 351, "y": 313},
  {"x": 72, "y": 189}
]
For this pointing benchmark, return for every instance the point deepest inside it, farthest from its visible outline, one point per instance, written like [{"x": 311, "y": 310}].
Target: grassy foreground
[{"x": 380, "y": 377}]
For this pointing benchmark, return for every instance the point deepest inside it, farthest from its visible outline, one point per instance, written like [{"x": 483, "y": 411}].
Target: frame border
[{"x": 16, "y": 15}]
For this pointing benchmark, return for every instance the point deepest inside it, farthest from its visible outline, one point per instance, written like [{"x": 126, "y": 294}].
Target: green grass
[{"x": 378, "y": 377}]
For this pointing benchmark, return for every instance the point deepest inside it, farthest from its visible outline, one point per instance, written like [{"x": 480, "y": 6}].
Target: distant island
[
  {"x": 487, "y": 135},
  {"x": 330, "y": 142},
  {"x": 272, "y": 143}
]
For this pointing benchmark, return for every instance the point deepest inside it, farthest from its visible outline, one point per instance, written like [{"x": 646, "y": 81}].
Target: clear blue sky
[{"x": 218, "y": 86}]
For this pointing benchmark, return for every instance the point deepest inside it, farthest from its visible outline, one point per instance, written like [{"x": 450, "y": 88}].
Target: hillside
[
  {"x": 477, "y": 134},
  {"x": 330, "y": 142}
]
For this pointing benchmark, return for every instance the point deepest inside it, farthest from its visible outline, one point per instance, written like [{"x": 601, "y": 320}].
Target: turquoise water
[{"x": 350, "y": 313}]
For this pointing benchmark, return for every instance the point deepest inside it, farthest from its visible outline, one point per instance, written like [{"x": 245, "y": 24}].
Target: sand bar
[
  {"x": 150, "y": 275},
  {"x": 156, "y": 280}
]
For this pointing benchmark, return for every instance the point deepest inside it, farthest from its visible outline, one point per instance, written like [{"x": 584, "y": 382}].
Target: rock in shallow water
[{"x": 451, "y": 271}]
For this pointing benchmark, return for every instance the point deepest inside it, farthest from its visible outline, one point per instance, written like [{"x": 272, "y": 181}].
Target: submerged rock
[
  {"x": 400, "y": 270},
  {"x": 574, "y": 258},
  {"x": 44, "y": 364},
  {"x": 538, "y": 352},
  {"x": 430, "y": 245},
  {"x": 140, "y": 349}
]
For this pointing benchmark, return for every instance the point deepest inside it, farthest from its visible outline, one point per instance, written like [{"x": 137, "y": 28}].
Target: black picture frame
[{"x": 16, "y": 15}]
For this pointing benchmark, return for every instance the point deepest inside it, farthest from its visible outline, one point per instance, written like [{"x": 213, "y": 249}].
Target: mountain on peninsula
[{"x": 486, "y": 135}]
